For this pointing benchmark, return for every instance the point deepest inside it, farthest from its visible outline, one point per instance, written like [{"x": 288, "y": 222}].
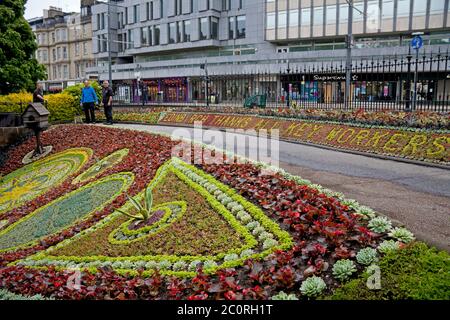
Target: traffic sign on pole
[{"x": 417, "y": 42}]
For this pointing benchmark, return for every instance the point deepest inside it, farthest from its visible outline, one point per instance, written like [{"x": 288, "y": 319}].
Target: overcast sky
[{"x": 34, "y": 8}]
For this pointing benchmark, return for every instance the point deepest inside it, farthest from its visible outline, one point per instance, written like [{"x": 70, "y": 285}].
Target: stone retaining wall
[{"x": 9, "y": 135}]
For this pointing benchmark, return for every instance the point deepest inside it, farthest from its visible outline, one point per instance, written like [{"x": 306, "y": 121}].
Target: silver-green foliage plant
[
  {"x": 343, "y": 269},
  {"x": 313, "y": 286},
  {"x": 402, "y": 234},
  {"x": 179, "y": 266},
  {"x": 210, "y": 264},
  {"x": 6, "y": 295},
  {"x": 193, "y": 265},
  {"x": 284, "y": 296},
  {"x": 144, "y": 211},
  {"x": 388, "y": 246},
  {"x": 366, "y": 256},
  {"x": 380, "y": 224}
]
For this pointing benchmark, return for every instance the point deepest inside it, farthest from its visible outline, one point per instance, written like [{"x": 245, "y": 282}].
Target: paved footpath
[{"x": 416, "y": 196}]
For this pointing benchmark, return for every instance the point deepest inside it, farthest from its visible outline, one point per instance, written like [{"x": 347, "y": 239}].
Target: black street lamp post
[{"x": 289, "y": 85}]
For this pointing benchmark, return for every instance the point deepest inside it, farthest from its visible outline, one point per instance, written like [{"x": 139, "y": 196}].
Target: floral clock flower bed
[{"x": 214, "y": 231}]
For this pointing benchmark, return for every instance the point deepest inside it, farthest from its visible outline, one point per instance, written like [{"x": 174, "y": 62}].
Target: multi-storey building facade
[
  {"x": 164, "y": 43},
  {"x": 64, "y": 45}
]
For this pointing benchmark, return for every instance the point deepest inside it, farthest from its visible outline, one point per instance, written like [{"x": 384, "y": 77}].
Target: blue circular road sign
[{"x": 417, "y": 42}]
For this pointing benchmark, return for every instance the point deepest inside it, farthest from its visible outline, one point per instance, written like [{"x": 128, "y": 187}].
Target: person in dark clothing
[
  {"x": 88, "y": 101},
  {"x": 38, "y": 95},
  {"x": 144, "y": 94},
  {"x": 107, "y": 99}
]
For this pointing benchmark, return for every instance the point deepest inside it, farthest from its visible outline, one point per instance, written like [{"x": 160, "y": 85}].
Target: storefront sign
[{"x": 321, "y": 77}]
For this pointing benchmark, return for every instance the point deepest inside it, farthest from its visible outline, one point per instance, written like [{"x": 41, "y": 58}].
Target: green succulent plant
[
  {"x": 144, "y": 212},
  {"x": 366, "y": 256},
  {"x": 193, "y": 265},
  {"x": 313, "y": 286},
  {"x": 164, "y": 265},
  {"x": 269, "y": 243},
  {"x": 284, "y": 296},
  {"x": 402, "y": 234},
  {"x": 366, "y": 211},
  {"x": 388, "y": 246},
  {"x": 380, "y": 224},
  {"x": 343, "y": 269},
  {"x": 210, "y": 264},
  {"x": 179, "y": 265},
  {"x": 247, "y": 253},
  {"x": 231, "y": 257}
]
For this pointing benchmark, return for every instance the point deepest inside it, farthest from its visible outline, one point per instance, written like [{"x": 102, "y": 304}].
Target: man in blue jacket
[{"x": 88, "y": 101}]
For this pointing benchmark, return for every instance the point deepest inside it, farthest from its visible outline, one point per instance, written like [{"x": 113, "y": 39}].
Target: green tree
[{"x": 19, "y": 69}]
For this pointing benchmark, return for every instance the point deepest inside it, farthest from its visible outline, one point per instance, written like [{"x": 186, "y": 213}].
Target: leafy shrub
[
  {"x": 366, "y": 256},
  {"x": 313, "y": 286},
  {"x": 15, "y": 102},
  {"x": 62, "y": 106},
  {"x": 343, "y": 269},
  {"x": 402, "y": 234},
  {"x": 380, "y": 224},
  {"x": 75, "y": 90},
  {"x": 414, "y": 272},
  {"x": 284, "y": 296}
]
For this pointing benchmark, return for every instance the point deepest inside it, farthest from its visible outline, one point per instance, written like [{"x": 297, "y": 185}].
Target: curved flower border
[
  {"x": 83, "y": 154},
  {"x": 126, "y": 177},
  {"x": 84, "y": 177}
]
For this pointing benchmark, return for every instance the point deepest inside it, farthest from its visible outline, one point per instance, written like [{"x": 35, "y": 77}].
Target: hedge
[{"x": 62, "y": 106}]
